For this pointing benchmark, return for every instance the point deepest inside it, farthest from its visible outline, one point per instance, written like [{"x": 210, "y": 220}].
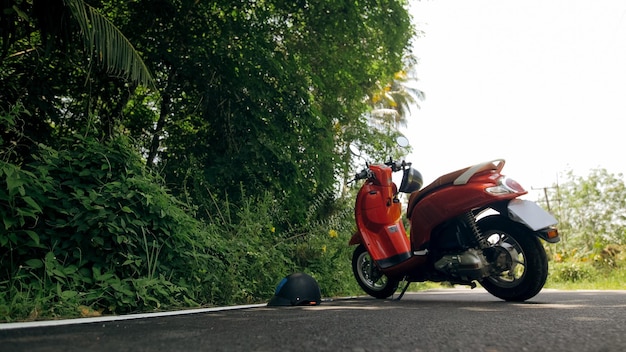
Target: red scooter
[{"x": 467, "y": 226}]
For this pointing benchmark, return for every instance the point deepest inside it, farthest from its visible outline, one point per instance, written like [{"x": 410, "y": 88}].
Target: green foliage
[
  {"x": 265, "y": 94},
  {"x": 574, "y": 270},
  {"x": 591, "y": 211},
  {"x": 321, "y": 246},
  {"x": 105, "y": 41},
  {"x": 268, "y": 83},
  {"x": 88, "y": 226},
  {"x": 255, "y": 257},
  {"x": 86, "y": 230},
  {"x": 592, "y": 225},
  {"x": 571, "y": 272},
  {"x": 256, "y": 104}
]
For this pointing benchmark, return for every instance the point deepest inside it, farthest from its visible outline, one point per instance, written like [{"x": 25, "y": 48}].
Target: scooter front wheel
[{"x": 369, "y": 277}]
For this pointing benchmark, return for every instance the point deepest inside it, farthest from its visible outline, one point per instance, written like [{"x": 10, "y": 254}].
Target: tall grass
[{"x": 603, "y": 269}]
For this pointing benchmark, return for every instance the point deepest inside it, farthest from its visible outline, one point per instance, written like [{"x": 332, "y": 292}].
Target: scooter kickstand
[{"x": 403, "y": 290}]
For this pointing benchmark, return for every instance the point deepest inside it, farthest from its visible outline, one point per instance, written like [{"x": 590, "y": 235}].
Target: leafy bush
[
  {"x": 87, "y": 230},
  {"x": 88, "y": 226},
  {"x": 571, "y": 272}
]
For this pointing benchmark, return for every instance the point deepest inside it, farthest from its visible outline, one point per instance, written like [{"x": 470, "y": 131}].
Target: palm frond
[{"x": 108, "y": 43}]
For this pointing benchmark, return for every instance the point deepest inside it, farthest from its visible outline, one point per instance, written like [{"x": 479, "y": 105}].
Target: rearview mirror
[
  {"x": 402, "y": 141},
  {"x": 355, "y": 150}
]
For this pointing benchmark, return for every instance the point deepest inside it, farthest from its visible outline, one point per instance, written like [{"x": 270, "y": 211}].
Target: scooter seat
[{"x": 442, "y": 181}]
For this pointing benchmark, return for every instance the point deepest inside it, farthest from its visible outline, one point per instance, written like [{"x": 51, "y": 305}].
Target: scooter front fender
[
  {"x": 356, "y": 238},
  {"x": 387, "y": 245}
]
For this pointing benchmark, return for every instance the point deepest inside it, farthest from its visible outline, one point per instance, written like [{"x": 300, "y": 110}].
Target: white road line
[{"x": 33, "y": 324}]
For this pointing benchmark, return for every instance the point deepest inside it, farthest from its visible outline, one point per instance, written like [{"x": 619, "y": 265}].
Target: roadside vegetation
[
  {"x": 170, "y": 154},
  {"x": 201, "y": 155},
  {"x": 591, "y": 211},
  {"x": 88, "y": 230},
  {"x": 585, "y": 275}
]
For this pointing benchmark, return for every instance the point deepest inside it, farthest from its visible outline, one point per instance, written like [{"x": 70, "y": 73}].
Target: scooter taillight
[
  {"x": 505, "y": 186},
  {"x": 512, "y": 184}
]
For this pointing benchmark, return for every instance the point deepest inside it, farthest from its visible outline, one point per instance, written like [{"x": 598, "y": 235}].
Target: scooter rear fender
[
  {"x": 534, "y": 217},
  {"x": 530, "y": 215}
]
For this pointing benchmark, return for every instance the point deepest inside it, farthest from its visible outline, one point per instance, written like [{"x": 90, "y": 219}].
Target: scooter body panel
[
  {"x": 451, "y": 201},
  {"x": 380, "y": 228}
]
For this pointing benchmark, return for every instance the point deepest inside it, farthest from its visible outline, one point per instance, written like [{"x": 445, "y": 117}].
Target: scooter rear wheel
[
  {"x": 526, "y": 268},
  {"x": 369, "y": 277}
]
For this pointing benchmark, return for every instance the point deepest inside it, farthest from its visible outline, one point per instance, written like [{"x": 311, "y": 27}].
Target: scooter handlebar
[
  {"x": 397, "y": 165},
  {"x": 365, "y": 173}
]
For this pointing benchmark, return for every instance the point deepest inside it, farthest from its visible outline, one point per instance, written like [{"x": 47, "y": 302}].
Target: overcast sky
[{"x": 541, "y": 84}]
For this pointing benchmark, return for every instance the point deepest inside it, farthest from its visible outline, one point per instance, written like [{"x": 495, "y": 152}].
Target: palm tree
[
  {"x": 101, "y": 37},
  {"x": 391, "y": 104},
  {"x": 109, "y": 44}
]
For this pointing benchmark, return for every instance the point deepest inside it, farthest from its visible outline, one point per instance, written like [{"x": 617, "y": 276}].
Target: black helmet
[
  {"x": 297, "y": 290},
  {"x": 411, "y": 181}
]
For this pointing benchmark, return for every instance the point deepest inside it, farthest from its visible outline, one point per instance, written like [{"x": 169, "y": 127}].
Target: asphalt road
[{"x": 439, "y": 320}]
